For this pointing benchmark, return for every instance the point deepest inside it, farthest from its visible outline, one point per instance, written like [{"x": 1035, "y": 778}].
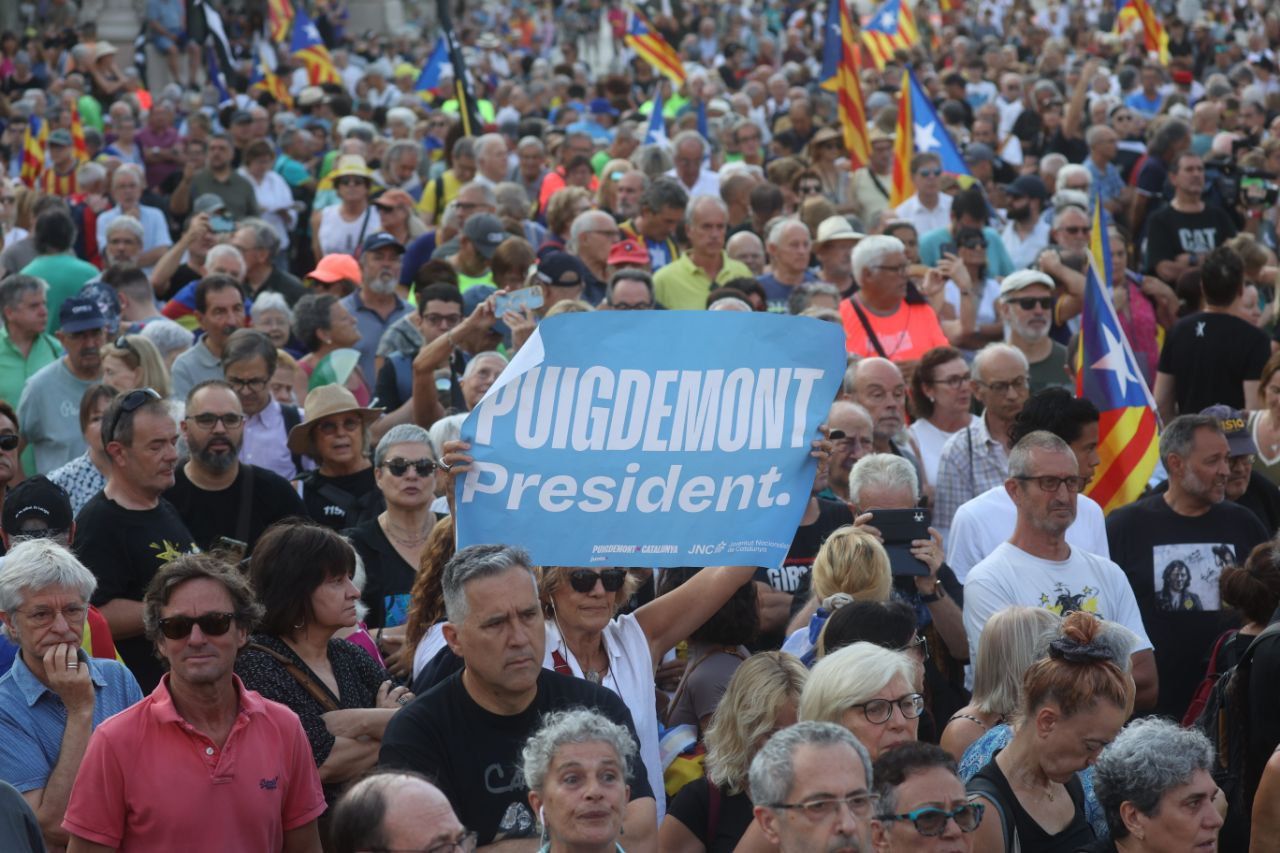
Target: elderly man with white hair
[
  {"x": 591, "y": 237},
  {"x": 491, "y": 159},
  {"x": 685, "y": 283},
  {"x": 53, "y": 696},
  {"x": 400, "y": 166},
  {"x": 789, "y": 245},
  {"x": 690, "y": 152},
  {"x": 127, "y": 185},
  {"x": 877, "y": 319}
]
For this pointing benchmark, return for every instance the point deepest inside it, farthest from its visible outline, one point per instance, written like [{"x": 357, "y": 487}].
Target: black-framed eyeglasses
[
  {"x": 1052, "y": 484},
  {"x": 130, "y": 403},
  {"x": 466, "y": 843},
  {"x": 1027, "y": 303},
  {"x": 931, "y": 821},
  {"x": 879, "y": 711},
  {"x": 214, "y": 624},
  {"x": 858, "y": 803},
  {"x": 1075, "y": 229},
  {"x": 255, "y": 384},
  {"x": 919, "y": 645},
  {"x": 1018, "y": 384},
  {"x": 952, "y": 382},
  {"x": 809, "y": 189},
  {"x": 9, "y": 441},
  {"x": 973, "y": 243},
  {"x": 208, "y": 420},
  {"x": 399, "y": 467},
  {"x": 584, "y": 580},
  {"x": 631, "y": 306}
]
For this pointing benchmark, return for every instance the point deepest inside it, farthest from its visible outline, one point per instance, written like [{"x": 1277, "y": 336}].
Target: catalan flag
[
  {"x": 78, "y": 145},
  {"x": 429, "y": 79},
  {"x": 279, "y": 19},
  {"x": 263, "y": 78},
  {"x": 1109, "y": 377},
  {"x": 1100, "y": 242},
  {"x": 920, "y": 130},
  {"x": 840, "y": 75},
  {"x": 1155, "y": 39},
  {"x": 35, "y": 140},
  {"x": 890, "y": 29},
  {"x": 307, "y": 46},
  {"x": 652, "y": 47}
]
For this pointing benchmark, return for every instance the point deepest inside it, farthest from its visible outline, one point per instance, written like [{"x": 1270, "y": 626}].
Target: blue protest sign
[{"x": 643, "y": 438}]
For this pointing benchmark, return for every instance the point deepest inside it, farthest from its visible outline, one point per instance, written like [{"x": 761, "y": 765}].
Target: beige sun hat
[{"x": 323, "y": 402}]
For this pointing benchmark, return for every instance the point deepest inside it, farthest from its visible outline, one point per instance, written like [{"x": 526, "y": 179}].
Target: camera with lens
[{"x": 1258, "y": 189}]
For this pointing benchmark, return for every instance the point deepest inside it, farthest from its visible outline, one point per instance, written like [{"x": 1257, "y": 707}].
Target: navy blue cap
[
  {"x": 80, "y": 313},
  {"x": 36, "y": 499},
  {"x": 601, "y": 106},
  {"x": 561, "y": 269},
  {"x": 1027, "y": 186},
  {"x": 379, "y": 240}
]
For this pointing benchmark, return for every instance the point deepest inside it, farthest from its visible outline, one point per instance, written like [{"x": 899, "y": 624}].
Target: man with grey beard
[
  {"x": 226, "y": 504},
  {"x": 1026, "y": 306},
  {"x": 376, "y": 305}
]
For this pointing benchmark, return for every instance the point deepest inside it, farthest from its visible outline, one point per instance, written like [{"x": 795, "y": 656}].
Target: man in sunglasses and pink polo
[
  {"x": 127, "y": 531},
  {"x": 201, "y": 764}
]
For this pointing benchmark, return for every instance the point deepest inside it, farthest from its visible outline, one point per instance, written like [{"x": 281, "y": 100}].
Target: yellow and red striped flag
[
  {"x": 652, "y": 47},
  {"x": 903, "y": 147},
  {"x": 840, "y": 75},
  {"x": 890, "y": 29},
  {"x": 307, "y": 46},
  {"x": 35, "y": 141},
  {"x": 1155, "y": 39},
  {"x": 78, "y": 145},
  {"x": 279, "y": 19}
]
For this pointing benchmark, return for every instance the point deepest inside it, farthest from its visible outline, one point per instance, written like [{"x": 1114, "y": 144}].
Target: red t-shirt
[{"x": 905, "y": 335}]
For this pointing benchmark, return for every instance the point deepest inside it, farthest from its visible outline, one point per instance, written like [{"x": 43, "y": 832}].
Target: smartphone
[
  {"x": 221, "y": 224},
  {"x": 233, "y": 547},
  {"x": 525, "y": 297},
  {"x": 946, "y": 249},
  {"x": 899, "y": 527}
]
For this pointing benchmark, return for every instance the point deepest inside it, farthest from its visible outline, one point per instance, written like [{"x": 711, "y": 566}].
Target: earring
[{"x": 932, "y": 400}]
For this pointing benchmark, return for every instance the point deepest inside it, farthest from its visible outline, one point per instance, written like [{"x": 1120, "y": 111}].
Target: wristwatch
[{"x": 937, "y": 595}]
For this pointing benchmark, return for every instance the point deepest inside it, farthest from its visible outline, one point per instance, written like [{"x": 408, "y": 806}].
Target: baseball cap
[
  {"x": 61, "y": 136},
  {"x": 601, "y": 106},
  {"x": 979, "y": 152},
  {"x": 241, "y": 117},
  {"x": 208, "y": 203},
  {"x": 485, "y": 232},
  {"x": 381, "y": 240},
  {"x": 79, "y": 314},
  {"x": 627, "y": 252},
  {"x": 1027, "y": 186},
  {"x": 1235, "y": 426},
  {"x": 561, "y": 269},
  {"x": 1023, "y": 278},
  {"x": 393, "y": 198},
  {"x": 334, "y": 268},
  {"x": 36, "y": 499}
]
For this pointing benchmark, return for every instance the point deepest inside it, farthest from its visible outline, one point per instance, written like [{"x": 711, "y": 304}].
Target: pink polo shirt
[{"x": 149, "y": 781}]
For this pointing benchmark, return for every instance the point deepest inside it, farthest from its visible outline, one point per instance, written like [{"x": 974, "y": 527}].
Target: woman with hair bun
[
  {"x": 1074, "y": 702},
  {"x": 1253, "y": 590}
]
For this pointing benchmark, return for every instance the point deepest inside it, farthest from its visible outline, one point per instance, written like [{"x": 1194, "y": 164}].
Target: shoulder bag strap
[
  {"x": 364, "y": 226},
  {"x": 309, "y": 684},
  {"x": 987, "y": 789},
  {"x": 688, "y": 671},
  {"x": 866, "y": 326},
  {"x": 713, "y": 813},
  {"x": 872, "y": 175},
  {"x": 246, "y": 503}
]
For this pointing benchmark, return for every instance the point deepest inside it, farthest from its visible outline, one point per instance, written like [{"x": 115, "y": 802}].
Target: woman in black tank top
[{"x": 1074, "y": 702}]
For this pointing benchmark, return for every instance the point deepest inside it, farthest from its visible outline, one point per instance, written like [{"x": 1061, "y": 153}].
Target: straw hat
[
  {"x": 351, "y": 166},
  {"x": 323, "y": 402}
]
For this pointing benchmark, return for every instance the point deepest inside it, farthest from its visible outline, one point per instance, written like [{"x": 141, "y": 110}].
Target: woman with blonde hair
[
  {"x": 872, "y": 691},
  {"x": 606, "y": 194},
  {"x": 851, "y": 566},
  {"x": 132, "y": 361},
  {"x": 710, "y": 814},
  {"x": 1013, "y": 639}
]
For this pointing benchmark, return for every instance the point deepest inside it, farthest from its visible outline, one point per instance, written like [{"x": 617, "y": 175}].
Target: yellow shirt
[
  {"x": 682, "y": 285},
  {"x": 437, "y": 194}
]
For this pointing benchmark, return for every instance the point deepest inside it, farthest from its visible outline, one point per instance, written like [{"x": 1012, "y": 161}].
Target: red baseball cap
[
  {"x": 334, "y": 268},
  {"x": 628, "y": 253}
]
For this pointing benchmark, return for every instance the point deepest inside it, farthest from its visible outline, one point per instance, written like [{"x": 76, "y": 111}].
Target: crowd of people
[{"x": 245, "y": 318}]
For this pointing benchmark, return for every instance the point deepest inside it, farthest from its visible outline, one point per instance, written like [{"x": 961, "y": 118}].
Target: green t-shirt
[
  {"x": 65, "y": 275},
  {"x": 468, "y": 281}
]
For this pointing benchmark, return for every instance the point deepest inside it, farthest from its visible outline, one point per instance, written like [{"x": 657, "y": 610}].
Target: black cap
[
  {"x": 1028, "y": 186},
  {"x": 561, "y": 269},
  {"x": 36, "y": 499},
  {"x": 79, "y": 314}
]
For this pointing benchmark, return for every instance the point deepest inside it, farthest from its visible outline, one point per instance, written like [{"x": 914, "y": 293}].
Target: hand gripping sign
[{"x": 671, "y": 438}]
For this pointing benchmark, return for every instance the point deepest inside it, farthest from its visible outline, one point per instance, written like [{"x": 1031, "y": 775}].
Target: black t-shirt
[
  {"x": 793, "y": 575},
  {"x": 1211, "y": 355},
  {"x": 124, "y": 549},
  {"x": 1172, "y": 232},
  {"x": 692, "y": 807},
  {"x": 388, "y": 578},
  {"x": 341, "y": 502},
  {"x": 473, "y": 755},
  {"x": 211, "y": 515},
  {"x": 387, "y": 388},
  {"x": 1153, "y": 545}
]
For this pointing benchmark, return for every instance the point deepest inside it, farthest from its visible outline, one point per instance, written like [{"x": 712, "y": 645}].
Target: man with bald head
[
  {"x": 591, "y": 237},
  {"x": 789, "y": 246},
  {"x": 395, "y": 810},
  {"x": 747, "y": 248},
  {"x": 851, "y": 430},
  {"x": 685, "y": 283},
  {"x": 877, "y": 385}
]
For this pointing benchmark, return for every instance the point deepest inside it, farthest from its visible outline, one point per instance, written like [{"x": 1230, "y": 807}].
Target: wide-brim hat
[
  {"x": 323, "y": 402},
  {"x": 826, "y": 134},
  {"x": 351, "y": 166}
]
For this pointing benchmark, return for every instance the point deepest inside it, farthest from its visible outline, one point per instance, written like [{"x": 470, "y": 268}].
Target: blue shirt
[
  {"x": 372, "y": 326},
  {"x": 999, "y": 264},
  {"x": 1109, "y": 184},
  {"x": 33, "y": 718},
  {"x": 1149, "y": 107}
]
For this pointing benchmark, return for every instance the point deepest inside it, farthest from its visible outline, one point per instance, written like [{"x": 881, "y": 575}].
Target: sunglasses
[
  {"x": 400, "y": 467},
  {"x": 9, "y": 441},
  {"x": 1026, "y": 303},
  {"x": 930, "y": 173},
  {"x": 584, "y": 580},
  {"x": 130, "y": 403},
  {"x": 972, "y": 244},
  {"x": 930, "y": 821},
  {"x": 212, "y": 624}
]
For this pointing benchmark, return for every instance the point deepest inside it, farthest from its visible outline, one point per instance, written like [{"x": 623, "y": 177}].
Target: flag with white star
[
  {"x": 656, "y": 134},
  {"x": 1109, "y": 377},
  {"x": 308, "y": 46},
  {"x": 920, "y": 130},
  {"x": 892, "y": 27}
]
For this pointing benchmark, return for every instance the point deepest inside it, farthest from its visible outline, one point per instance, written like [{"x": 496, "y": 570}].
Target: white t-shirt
[
  {"x": 428, "y": 647},
  {"x": 631, "y": 677},
  {"x": 1083, "y": 581},
  {"x": 981, "y": 524},
  {"x": 930, "y": 440}
]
